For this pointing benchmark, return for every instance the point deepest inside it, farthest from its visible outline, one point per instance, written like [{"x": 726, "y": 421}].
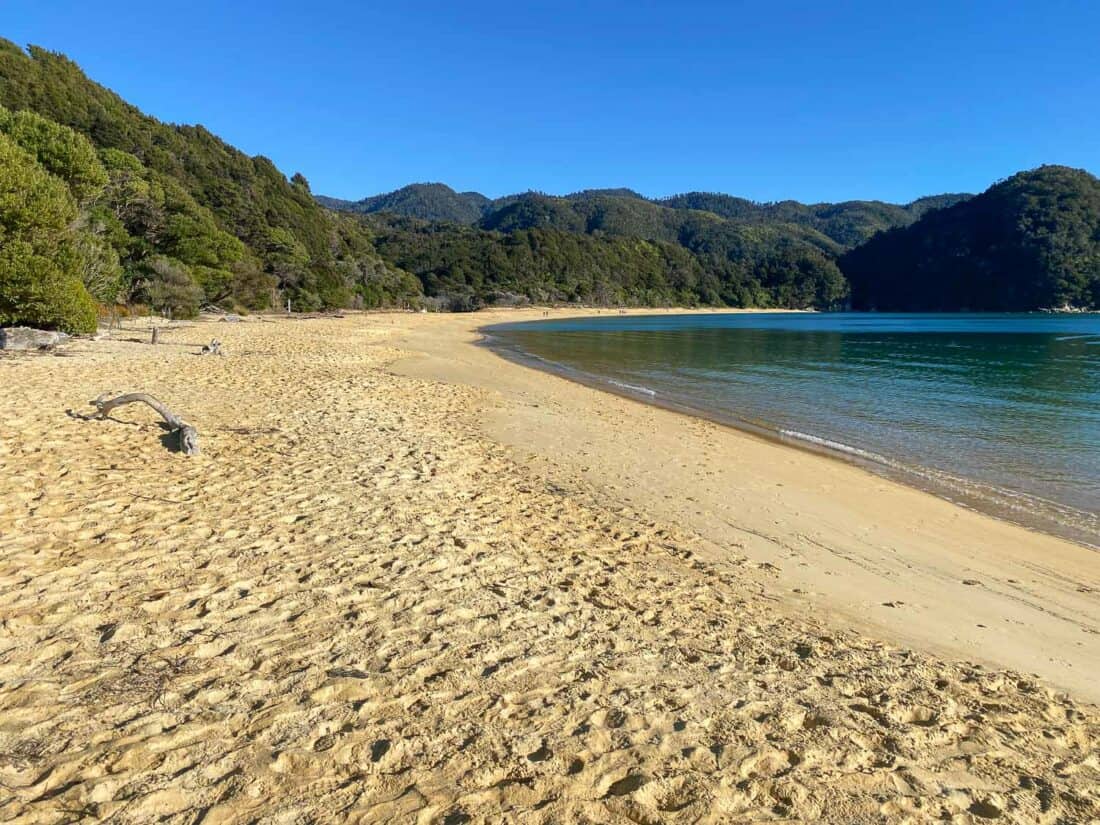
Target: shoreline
[
  {"x": 883, "y": 557},
  {"x": 910, "y": 476},
  {"x": 407, "y": 580}
]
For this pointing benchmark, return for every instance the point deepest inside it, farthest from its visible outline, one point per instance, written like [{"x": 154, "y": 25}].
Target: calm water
[{"x": 999, "y": 412}]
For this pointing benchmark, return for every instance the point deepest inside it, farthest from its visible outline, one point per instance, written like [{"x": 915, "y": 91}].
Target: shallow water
[{"x": 998, "y": 412}]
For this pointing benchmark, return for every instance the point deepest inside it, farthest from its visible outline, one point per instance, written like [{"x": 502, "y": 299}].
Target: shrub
[
  {"x": 169, "y": 288},
  {"x": 38, "y": 292}
]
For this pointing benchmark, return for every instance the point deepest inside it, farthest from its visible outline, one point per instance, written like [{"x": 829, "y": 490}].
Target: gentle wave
[
  {"x": 966, "y": 490},
  {"x": 999, "y": 413},
  {"x": 632, "y": 387},
  {"x": 840, "y": 448}
]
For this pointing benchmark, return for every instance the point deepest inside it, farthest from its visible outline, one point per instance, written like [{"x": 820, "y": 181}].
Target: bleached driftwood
[
  {"x": 213, "y": 348},
  {"x": 188, "y": 435},
  {"x": 223, "y": 315}
]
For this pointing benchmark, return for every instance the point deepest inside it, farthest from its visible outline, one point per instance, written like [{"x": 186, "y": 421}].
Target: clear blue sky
[{"x": 768, "y": 100}]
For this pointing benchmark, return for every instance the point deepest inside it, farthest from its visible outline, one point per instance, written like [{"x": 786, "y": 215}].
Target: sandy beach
[{"x": 408, "y": 580}]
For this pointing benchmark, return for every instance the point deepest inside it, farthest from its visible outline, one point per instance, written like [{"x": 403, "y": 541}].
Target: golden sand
[{"x": 408, "y": 581}]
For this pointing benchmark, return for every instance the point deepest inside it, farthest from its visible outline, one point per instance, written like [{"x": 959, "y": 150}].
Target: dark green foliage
[
  {"x": 736, "y": 262},
  {"x": 169, "y": 287},
  {"x": 628, "y": 217},
  {"x": 535, "y": 211},
  {"x": 70, "y": 157},
  {"x": 181, "y": 192},
  {"x": 374, "y": 281},
  {"x": 147, "y": 214},
  {"x": 335, "y": 204},
  {"x": 38, "y": 291},
  {"x": 747, "y": 264},
  {"x": 768, "y": 265},
  {"x": 464, "y": 266},
  {"x": 921, "y": 206},
  {"x": 427, "y": 201},
  {"x": 593, "y": 213},
  {"x": 40, "y": 263},
  {"x": 1029, "y": 242},
  {"x": 622, "y": 192},
  {"x": 626, "y": 212},
  {"x": 62, "y": 152},
  {"x": 460, "y": 264},
  {"x": 100, "y": 271},
  {"x": 847, "y": 224},
  {"x": 133, "y": 208},
  {"x": 726, "y": 206}
]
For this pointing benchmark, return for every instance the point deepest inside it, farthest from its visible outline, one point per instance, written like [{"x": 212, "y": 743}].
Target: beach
[{"x": 409, "y": 580}]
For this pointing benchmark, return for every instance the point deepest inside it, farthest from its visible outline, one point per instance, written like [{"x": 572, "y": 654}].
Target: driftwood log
[{"x": 188, "y": 435}]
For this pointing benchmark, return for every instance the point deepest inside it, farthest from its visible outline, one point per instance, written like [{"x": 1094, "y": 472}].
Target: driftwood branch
[
  {"x": 213, "y": 348},
  {"x": 188, "y": 435}
]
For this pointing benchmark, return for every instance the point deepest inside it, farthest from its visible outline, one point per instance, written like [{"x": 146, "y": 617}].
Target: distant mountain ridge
[
  {"x": 626, "y": 212},
  {"x": 102, "y": 205},
  {"x": 425, "y": 201},
  {"x": 1030, "y": 241}
]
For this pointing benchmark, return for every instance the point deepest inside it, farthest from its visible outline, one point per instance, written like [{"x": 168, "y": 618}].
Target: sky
[{"x": 815, "y": 101}]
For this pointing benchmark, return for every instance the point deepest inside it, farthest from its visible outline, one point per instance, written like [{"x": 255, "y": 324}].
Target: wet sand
[{"x": 408, "y": 580}]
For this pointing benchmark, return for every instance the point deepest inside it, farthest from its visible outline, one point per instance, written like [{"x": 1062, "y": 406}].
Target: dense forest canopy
[
  {"x": 1028, "y": 242},
  {"x": 626, "y": 212},
  {"x": 427, "y": 201},
  {"x": 103, "y": 205},
  {"x": 848, "y": 224},
  {"x": 190, "y": 219},
  {"x": 41, "y": 265},
  {"x": 547, "y": 264}
]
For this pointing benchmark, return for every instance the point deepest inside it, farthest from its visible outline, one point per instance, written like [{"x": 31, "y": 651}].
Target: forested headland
[
  {"x": 1029, "y": 242},
  {"x": 103, "y": 206}
]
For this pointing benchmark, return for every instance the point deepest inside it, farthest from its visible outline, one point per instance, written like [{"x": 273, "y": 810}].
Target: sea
[{"x": 996, "y": 412}]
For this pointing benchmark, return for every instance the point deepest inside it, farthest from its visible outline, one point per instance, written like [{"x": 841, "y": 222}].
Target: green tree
[
  {"x": 100, "y": 270},
  {"x": 63, "y": 152},
  {"x": 169, "y": 288},
  {"x": 40, "y": 266}
]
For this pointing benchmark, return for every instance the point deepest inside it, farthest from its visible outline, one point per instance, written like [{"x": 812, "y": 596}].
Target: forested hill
[
  {"x": 744, "y": 266},
  {"x": 1029, "y": 242},
  {"x": 427, "y": 201},
  {"x": 628, "y": 213},
  {"x": 849, "y": 223},
  {"x": 102, "y": 205},
  {"x": 169, "y": 216}
]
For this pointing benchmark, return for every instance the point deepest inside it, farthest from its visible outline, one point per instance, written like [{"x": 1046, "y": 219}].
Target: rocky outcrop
[{"x": 26, "y": 338}]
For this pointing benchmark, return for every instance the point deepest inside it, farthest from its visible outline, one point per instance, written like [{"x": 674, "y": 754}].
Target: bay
[{"x": 999, "y": 412}]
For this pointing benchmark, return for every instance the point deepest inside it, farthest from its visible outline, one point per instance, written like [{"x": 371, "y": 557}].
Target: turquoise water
[{"x": 998, "y": 412}]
